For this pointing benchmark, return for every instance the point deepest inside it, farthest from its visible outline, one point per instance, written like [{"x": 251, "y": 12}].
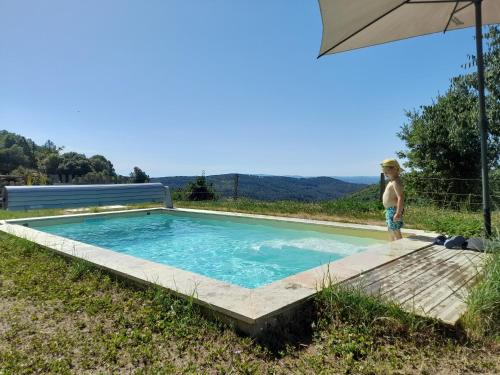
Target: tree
[
  {"x": 51, "y": 147},
  {"x": 200, "y": 190},
  {"x": 442, "y": 139},
  {"x": 139, "y": 176},
  {"x": 50, "y": 164},
  {"x": 46, "y": 156},
  {"x": 74, "y": 164},
  {"x": 102, "y": 165},
  {"x": 16, "y": 151},
  {"x": 11, "y": 158}
]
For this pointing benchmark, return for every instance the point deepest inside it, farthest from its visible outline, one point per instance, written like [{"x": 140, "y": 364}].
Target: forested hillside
[{"x": 271, "y": 187}]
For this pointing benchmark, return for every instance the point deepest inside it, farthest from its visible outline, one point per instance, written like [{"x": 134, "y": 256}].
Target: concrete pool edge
[{"x": 251, "y": 309}]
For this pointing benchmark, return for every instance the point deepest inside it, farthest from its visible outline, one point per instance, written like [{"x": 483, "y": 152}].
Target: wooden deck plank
[
  {"x": 443, "y": 274},
  {"x": 431, "y": 265},
  {"x": 383, "y": 273},
  {"x": 399, "y": 265},
  {"x": 431, "y": 282},
  {"x": 452, "y": 308},
  {"x": 440, "y": 291}
]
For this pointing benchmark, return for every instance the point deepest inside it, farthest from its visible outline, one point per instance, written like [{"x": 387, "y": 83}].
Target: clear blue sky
[{"x": 181, "y": 86}]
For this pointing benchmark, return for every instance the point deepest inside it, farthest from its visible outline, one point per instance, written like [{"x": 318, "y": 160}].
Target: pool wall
[{"x": 253, "y": 311}]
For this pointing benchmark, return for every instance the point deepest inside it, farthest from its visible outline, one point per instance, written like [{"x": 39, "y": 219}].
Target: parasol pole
[{"x": 483, "y": 122}]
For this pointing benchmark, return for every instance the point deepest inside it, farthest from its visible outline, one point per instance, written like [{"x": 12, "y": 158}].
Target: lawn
[{"x": 62, "y": 316}]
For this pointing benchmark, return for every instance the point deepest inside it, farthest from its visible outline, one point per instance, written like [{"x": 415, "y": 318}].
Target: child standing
[{"x": 393, "y": 198}]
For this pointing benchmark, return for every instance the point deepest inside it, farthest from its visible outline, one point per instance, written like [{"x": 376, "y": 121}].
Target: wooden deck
[{"x": 431, "y": 282}]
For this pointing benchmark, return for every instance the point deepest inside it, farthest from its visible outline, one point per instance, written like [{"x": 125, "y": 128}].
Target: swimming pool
[
  {"x": 243, "y": 251},
  {"x": 255, "y": 271}
]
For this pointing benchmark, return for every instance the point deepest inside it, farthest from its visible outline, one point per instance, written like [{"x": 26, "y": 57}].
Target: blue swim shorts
[{"x": 392, "y": 225}]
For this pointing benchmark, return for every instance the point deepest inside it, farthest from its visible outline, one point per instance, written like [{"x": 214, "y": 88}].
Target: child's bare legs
[{"x": 395, "y": 235}]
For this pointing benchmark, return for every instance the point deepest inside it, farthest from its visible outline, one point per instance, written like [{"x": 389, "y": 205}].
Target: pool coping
[{"x": 250, "y": 307}]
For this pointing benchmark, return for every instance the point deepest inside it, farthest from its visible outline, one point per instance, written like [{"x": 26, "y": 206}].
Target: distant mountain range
[
  {"x": 354, "y": 179},
  {"x": 264, "y": 187},
  {"x": 359, "y": 179}
]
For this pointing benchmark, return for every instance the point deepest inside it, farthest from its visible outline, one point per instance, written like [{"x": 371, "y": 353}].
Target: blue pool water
[{"x": 245, "y": 252}]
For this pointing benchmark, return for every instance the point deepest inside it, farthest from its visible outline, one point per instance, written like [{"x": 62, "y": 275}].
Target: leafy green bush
[
  {"x": 200, "y": 190},
  {"x": 138, "y": 176}
]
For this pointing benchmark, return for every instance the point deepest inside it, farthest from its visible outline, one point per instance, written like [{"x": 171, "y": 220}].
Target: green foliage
[
  {"x": 443, "y": 138},
  {"x": 356, "y": 326},
  {"x": 30, "y": 176},
  {"x": 79, "y": 269},
  {"x": 16, "y": 151},
  {"x": 369, "y": 193},
  {"x": 45, "y": 164},
  {"x": 50, "y": 163},
  {"x": 483, "y": 314},
  {"x": 200, "y": 190},
  {"x": 138, "y": 176},
  {"x": 73, "y": 165},
  {"x": 469, "y": 82},
  {"x": 443, "y": 141},
  {"x": 21, "y": 156},
  {"x": 345, "y": 302},
  {"x": 11, "y": 158},
  {"x": 100, "y": 164},
  {"x": 350, "y": 205},
  {"x": 102, "y": 172}
]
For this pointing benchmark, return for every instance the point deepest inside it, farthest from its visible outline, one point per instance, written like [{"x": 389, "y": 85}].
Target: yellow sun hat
[{"x": 391, "y": 163}]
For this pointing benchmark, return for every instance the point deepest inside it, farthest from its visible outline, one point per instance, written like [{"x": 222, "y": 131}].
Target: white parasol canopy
[{"x": 352, "y": 24}]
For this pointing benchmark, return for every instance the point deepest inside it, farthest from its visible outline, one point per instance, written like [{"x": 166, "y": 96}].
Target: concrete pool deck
[{"x": 252, "y": 310}]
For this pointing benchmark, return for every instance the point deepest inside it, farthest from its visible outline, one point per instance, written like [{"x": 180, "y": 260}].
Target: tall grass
[
  {"x": 357, "y": 324},
  {"x": 482, "y": 318},
  {"x": 347, "y": 302}
]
